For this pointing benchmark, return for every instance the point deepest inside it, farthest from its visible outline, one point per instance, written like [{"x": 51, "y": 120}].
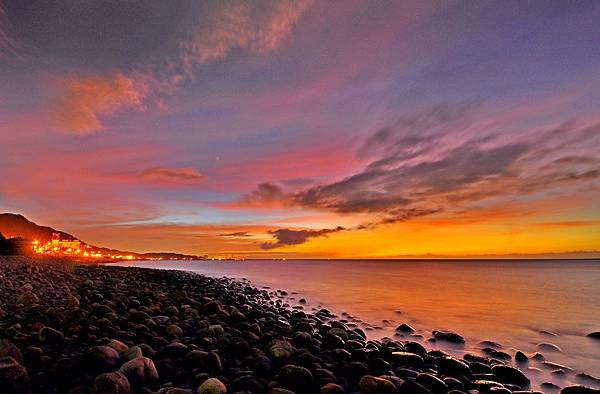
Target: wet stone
[
  {"x": 433, "y": 383},
  {"x": 594, "y": 335},
  {"x": 448, "y": 336},
  {"x": 548, "y": 347},
  {"x": 453, "y": 367},
  {"x": 507, "y": 374},
  {"x": 407, "y": 359},
  {"x": 578, "y": 389},
  {"x": 521, "y": 357},
  {"x": 405, "y": 328}
]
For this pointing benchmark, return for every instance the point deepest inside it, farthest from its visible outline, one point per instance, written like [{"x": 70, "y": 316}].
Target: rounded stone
[
  {"x": 405, "y": 328},
  {"x": 216, "y": 330},
  {"x": 433, "y": 383},
  {"x": 119, "y": 346},
  {"x": 111, "y": 383},
  {"x": 212, "y": 386},
  {"x": 174, "y": 330},
  {"x": 103, "y": 358},
  {"x": 594, "y": 335},
  {"x": 548, "y": 347},
  {"x": 9, "y": 349},
  {"x": 331, "y": 388},
  {"x": 295, "y": 378},
  {"x": 453, "y": 367},
  {"x": 280, "y": 350},
  {"x": 139, "y": 370},
  {"x": 412, "y": 387},
  {"x": 279, "y": 390},
  {"x": 521, "y": 357},
  {"x": 27, "y": 298},
  {"x": 372, "y": 385},
  {"x": 338, "y": 332},
  {"x": 510, "y": 375},
  {"x": 579, "y": 390},
  {"x": 448, "y": 336},
  {"x": 50, "y": 335},
  {"x": 133, "y": 352},
  {"x": 407, "y": 359}
]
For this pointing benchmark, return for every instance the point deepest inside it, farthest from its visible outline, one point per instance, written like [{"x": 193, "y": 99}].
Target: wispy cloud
[
  {"x": 175, "y": 175},
  {"x": 259, "y": 27},
  {"x": 216, "y": 31},
  {"x": 285, "y": 237},
  {"x": 237, "y": 234},
  {"x": 86, "y": 99},
  {"x": 438, "y": 161},
  {"x": 267, "y": 195}
]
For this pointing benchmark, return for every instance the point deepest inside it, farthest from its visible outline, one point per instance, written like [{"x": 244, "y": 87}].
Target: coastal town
[{"x": 58, "y": 246}]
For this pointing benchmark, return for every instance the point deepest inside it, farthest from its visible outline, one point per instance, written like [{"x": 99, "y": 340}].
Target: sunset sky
[{"x": 304, "y": 129}]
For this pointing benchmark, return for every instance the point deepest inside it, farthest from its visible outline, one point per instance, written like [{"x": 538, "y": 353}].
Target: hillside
[{"x": 14, "y": 225}]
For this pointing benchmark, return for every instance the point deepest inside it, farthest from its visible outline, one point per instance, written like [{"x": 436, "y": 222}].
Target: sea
[{"x": 518, "y": 304}]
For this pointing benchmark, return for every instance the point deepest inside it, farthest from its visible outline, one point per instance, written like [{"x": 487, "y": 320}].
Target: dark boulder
[
  {"x": 373, "y": 385},
  {"x": 521, "y": 357},
  {"x": 295, "y": 378},
  {"x": 405, "y": 328},
  {"x": 407, "y": 359},
  {"x": 433, "y": 383},
  {"x": 579, "y": 390},
  {"x": 331, "y": 388},
  {"x": 507, "y": 374},
  {"x": 450, "y": 366},
  {"x": 448, "y": 336},
  {"x": 412, "y": 387},
  {"x": 103, "y": 358}
]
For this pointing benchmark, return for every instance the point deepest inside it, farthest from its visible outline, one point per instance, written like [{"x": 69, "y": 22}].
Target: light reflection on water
[{"x": 516, "y": 303}]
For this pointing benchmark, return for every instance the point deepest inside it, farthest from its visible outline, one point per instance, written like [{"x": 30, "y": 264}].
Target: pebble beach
[{"x": 75, "y": 328}]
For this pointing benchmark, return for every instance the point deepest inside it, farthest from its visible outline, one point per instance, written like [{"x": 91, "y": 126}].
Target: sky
[{"x": 305, "y": 129}]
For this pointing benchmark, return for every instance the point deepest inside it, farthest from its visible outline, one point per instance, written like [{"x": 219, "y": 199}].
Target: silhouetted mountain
[
  {"x": 19, "y": 227},
  {"x": 13, "y": 225}
]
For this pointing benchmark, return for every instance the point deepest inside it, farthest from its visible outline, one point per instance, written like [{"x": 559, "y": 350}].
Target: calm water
[{"x": 516, "y": 303}]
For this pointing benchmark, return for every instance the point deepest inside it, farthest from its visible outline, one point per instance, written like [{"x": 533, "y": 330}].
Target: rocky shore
[{"x": 70, "y": 328}]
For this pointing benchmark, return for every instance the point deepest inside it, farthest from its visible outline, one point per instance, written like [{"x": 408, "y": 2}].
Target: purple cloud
[
  {"x": 426, "y": 163},
  {"x": 286, "y": 236}
]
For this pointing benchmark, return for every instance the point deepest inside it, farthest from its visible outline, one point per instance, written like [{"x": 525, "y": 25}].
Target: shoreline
[{"x": 70, "y": 327}]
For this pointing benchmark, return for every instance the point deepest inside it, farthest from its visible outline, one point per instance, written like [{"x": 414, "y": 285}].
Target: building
[{"x": 61, "y": 244}]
